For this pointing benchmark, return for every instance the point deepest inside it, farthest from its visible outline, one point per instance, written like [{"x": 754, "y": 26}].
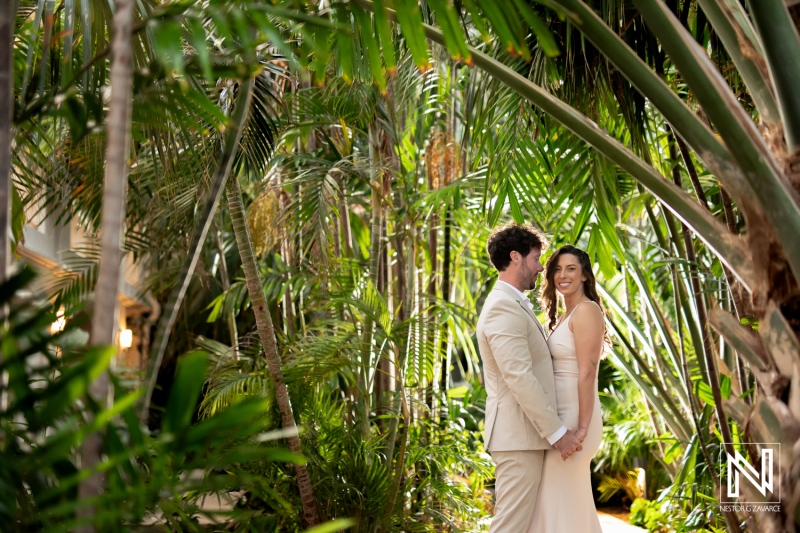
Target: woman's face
[{"x": 568, "y": 275}]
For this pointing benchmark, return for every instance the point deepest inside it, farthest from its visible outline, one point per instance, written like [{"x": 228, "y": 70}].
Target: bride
[{"x": 565, "y": 502}]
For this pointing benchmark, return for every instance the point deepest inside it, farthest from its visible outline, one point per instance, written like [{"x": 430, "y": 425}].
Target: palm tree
[
  {"x": 228, "y": 154},
  {"x": 652, "y": 74},
  {"x": 365, "y": 170},
  {"x": 766, "y": 261},
  {"x": 6, "y": 115},
  {"x": 266, "y": 333},
  {"x": 105, "y": 308},
  {"x": 166, "y": 147}
]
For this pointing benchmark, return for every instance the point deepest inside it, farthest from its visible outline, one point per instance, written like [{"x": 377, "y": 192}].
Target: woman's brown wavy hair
[{"x": 549, "y": 296}]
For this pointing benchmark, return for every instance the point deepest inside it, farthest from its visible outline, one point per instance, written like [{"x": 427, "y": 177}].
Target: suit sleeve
[{"x": 506, "y": 332}]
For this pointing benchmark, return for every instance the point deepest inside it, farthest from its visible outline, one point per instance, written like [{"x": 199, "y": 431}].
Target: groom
[{"x": 521, "y": 417}]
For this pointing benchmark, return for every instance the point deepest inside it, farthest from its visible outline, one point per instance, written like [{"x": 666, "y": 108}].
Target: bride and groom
[{"x": 543, "y": 421}]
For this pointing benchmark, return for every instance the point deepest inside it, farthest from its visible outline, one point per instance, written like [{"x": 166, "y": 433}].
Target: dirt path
[{"x": 611, "y": 524}]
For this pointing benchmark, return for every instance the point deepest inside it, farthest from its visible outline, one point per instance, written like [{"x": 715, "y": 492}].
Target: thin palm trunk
[
  {"x": 397, "y": 477},
  {"x": 400, "y": 312},
  {"x": 230, "y": 317},
  {"x": 702, "y": 315},
  {"x": 266, "y": 334},
  {"x": 447, "y": 341},
  {"x": 376, "y": 186},
  {"x": 431, "y": 323},
  {"x": 286, "y": 256},
  {"x": 6, "y": 119},
  {"x": 405, "y": 292},
  {"x": 705, "y": 329},
  {"x": 232, "y": 137},
  {"x": 105, "y": 311},
  {"x": 383, "y": 381}
]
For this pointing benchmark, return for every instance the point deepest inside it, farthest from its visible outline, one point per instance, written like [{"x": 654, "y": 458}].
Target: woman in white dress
[{"x": 565, "y": 503}]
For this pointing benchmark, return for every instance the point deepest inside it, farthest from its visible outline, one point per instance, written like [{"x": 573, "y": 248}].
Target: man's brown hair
[{"x": 513, "y": 237}]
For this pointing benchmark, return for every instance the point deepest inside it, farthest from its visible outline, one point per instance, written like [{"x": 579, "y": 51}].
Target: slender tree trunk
[
  {"x": 452, "y": 164},
  {"x": 383, "y": 375},
  {"x": 231, "y": 145},
  {"x": 6, "y": 120},
  {"x": 405, "y": 283},
  {"x": 447, "y": 341},
  {"x": 344, "y": 220},
  {"x": 401, "y": 456},
  {"x": 266, "y": 334},
  {"x": 431, "y": 321},
  {"x": 286, "y": 256},
  {"x": 400, "y": 312},
  {"x": 742, "y": 306},
  {"x": 376, "y": 186},
  {"x": 224, "y": 275},
  {"x": 105, "y": 309},
  {"x": 705, "y": 330}
]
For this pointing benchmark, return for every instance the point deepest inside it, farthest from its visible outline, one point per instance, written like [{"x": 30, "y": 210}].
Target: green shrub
[
  {"x": 49, "y": 415},
  {"x": 650, "y": 514}
]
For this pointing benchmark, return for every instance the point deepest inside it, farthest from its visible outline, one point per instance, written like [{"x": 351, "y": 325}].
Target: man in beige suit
[{"x": 521, "y": 418}]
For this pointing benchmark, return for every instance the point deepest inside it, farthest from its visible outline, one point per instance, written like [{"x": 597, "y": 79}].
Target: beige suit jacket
[{"x": 518, "y": 373}]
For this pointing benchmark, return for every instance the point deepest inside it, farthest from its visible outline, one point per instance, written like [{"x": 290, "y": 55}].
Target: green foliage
[
  {"x": 49, "y": 416},
  {"x": 628, "y": 442},
  {"x": 652, "y": 515},
  {"x": 385, "y": 198}
]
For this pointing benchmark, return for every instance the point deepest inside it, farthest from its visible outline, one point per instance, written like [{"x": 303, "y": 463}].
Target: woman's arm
[{"x": 587, "y": 328}]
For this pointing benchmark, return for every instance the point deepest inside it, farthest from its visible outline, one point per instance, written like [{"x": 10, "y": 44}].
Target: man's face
[{"x": 530, "y": 269}]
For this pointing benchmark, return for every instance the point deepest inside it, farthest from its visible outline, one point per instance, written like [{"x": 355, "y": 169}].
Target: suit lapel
[
  {"x": 508, "y": 290},
  {"x": 524, "y": 305}
]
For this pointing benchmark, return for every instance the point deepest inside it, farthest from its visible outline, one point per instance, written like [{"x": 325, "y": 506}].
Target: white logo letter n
[{"x": 739, "y": 464}]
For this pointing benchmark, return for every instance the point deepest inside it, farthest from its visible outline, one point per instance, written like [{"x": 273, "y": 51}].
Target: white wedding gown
[{"x": 565, "y": 503}]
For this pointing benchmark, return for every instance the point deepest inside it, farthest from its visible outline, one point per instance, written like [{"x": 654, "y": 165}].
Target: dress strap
[
  {"x": 583, "y": 302},
  {"x": 564, "y": 319},
  {"x": 574, "y": 308}
]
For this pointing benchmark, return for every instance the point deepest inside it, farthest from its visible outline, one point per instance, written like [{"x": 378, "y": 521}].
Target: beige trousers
[{"x": 517, "y": 477}]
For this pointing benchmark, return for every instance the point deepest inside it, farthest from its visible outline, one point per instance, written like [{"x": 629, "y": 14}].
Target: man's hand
[{"x": 568, "y": 444}]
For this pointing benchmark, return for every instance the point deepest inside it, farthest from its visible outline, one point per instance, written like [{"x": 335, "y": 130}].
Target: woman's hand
[{"x": 581, "y": 433}]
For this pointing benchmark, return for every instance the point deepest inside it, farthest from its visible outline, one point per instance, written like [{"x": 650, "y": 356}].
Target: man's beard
[{"x": 530, "y": 279}]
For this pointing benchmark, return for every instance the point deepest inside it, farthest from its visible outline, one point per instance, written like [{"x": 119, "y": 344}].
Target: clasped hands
[{"x": 570, "y": 442}]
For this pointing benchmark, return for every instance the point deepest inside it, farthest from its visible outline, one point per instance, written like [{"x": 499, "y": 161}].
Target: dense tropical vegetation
[{"x": 364, "y": 151}]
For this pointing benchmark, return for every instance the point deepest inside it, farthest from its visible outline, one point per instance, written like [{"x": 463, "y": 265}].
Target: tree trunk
[
  {"x": 232, "y": 137},
  {"x": 266, "y": 334},
  {"x": 105, "y": 308},
  {"x": 6, "y": 120},
  {"x": 707, "y": 347},
  {"x": 376, "y": 224},
  {"x": 400, "y": 311},
  {"x": 230, "y": 317}
]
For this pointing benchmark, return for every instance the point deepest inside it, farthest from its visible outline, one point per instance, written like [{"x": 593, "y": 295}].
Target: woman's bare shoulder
[{"x": 588, "y": 312}]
